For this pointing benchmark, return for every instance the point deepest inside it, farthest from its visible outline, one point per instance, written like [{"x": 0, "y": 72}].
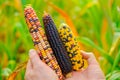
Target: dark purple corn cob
[{"x": 57, "y": 45}]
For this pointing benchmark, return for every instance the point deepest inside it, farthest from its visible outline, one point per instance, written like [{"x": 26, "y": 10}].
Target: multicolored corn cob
[
  {"x": 72, "y": 47},
  {"x": 57, "y": 45},
  {"x": 40, "y": 41}
]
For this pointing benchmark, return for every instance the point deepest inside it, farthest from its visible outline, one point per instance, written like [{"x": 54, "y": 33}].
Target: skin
[{"x": 37, "y": 70}]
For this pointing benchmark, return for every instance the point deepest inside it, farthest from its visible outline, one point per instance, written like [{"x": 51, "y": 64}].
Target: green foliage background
[{"x": 96, "y": 21}]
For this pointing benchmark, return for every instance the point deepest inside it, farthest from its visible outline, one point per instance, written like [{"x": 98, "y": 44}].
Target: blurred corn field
[{"x": 96, "y": 23}]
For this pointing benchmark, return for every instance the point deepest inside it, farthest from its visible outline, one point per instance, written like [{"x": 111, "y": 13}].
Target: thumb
[
  {"x": 34, "y": 58},
  {"x": 36, "y": 62},
  {"x": 39, "y": 67}
]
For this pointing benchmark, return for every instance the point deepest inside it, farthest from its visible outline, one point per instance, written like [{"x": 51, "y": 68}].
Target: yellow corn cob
[
  {"x": 40, "y": 41},
  {"x": 72, "y": 47}
]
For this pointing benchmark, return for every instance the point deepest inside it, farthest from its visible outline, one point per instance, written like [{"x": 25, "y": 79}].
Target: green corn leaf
[
  {"x": 0, "y": 72},
  {"x": 116, "y": 61},
  {"x": 115, "y": 75}
]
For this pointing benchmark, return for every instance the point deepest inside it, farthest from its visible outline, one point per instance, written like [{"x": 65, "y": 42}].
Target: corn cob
[
  {"x": 72, "y": 47},
  {"x": 40, "y": 41},
  {"x": 56, "y": 44}
]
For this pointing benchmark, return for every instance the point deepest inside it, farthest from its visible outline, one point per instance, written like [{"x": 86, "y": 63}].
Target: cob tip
[
  {"x": 27, "y": 6},
  {"x": 62, "y": 25},
  {"x": 69, "y": 75},
  {"x": 46, "y": 18},
  {"x": 45, "y": 14}
]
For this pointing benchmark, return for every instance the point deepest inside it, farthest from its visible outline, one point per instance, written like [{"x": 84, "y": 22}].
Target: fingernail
[{"x": 32, "y": 52}]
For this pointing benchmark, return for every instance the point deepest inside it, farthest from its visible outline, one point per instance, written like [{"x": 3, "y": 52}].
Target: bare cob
[
  {"x": 72, "y": 47},
  {"x": 56, "y": 44},
  {"x": 40, "y": 41}
]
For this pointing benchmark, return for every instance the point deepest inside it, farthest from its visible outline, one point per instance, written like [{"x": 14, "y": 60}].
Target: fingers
[
  {"x": 34, "y": 58},
  {"x": 90, "y": 57},
  {"x": 29, "y": 66},
  {"x": 28, "y": 70},
  {"x": 35, "y": 67},
  {"x": 85, "y": 54}
]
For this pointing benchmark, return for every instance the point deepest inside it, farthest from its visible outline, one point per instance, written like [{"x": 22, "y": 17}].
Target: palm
[{"x": 93, "y": 72}]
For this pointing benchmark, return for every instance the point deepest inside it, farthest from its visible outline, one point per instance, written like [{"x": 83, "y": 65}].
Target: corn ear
[
  {"x": 40, "y": 41},
  {"x": 72, "y": 47},
  {"x": 57, "y": 45}
]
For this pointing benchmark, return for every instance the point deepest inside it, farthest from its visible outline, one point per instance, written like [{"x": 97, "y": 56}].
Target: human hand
[
  {"x": 93, "y": 72},
  {"x": 38, "y": 70}
]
